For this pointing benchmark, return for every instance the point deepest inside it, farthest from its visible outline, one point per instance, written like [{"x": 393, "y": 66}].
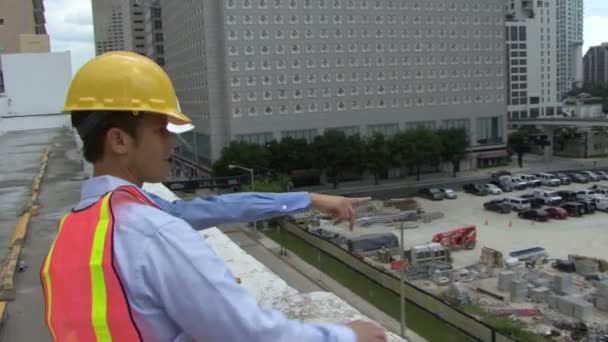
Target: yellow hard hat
[{"x": 124, "y": 81}]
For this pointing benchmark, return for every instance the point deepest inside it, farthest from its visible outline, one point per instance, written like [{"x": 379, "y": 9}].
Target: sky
[{"x": 70, "y": 26}]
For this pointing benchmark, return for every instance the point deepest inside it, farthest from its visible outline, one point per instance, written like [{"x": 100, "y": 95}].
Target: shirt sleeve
[
  {"x": 181, "y": 273},
  {"x": 211, "y": 211}
]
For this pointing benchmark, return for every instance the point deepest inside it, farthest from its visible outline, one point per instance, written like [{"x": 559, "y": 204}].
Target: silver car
[{"x": 448, "y": 193}]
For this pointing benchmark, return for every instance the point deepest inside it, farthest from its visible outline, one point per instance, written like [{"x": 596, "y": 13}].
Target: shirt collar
[{"x": 94, "y": 188}]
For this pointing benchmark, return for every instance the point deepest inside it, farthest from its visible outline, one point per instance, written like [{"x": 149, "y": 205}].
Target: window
[
  {"x": 387, "y": 130},
  {"x": 489, "y": 130}
]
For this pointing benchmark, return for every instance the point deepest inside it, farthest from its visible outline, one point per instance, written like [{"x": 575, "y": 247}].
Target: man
[{"x": 123, "y": 269}]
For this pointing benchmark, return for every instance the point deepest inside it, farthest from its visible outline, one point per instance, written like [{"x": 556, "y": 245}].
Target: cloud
[{"x": 70, "y": 27}]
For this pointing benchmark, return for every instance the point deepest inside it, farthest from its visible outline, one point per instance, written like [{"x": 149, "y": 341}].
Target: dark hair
[{"x": 92, "y": 127}]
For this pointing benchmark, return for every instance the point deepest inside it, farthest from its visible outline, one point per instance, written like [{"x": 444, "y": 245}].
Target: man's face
[{"x": 152, "y": 150}]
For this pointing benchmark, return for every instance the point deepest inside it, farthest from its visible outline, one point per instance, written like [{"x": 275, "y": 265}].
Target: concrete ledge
[{"x": 270, "y": 291}]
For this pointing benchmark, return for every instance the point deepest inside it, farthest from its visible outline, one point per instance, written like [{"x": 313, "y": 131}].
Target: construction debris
[
  {"x": 491, "y": 257},
  {"x": 402, "y": 203},
  {"x": 529, "y": 312},
  {"x": 586, "y": 265}
]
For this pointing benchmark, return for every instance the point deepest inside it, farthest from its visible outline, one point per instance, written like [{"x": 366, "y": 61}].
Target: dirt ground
[{"x": 587, "y": 235}]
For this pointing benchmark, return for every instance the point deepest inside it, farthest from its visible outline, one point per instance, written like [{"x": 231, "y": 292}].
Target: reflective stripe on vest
[{"x": 84, "y": 297}]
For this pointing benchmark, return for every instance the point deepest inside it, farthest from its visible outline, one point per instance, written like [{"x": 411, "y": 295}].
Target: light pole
[
  {"x": 402, "y": 279},
  {"x": 231, "y": 167}
]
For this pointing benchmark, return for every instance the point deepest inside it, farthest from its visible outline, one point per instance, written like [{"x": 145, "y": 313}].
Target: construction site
[{"x": 550, "y": 276}]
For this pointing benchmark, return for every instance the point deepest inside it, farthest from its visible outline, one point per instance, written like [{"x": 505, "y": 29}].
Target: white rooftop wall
[{"x": 36, "y": 83}]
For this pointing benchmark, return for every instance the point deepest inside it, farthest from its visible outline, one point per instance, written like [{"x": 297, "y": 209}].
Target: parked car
[
  {"x": 548, "y": 197},
  {"x": 567, "y": 195},
  {"x": 498, "y": 205},
  {"x": 603, "y": 174},
  {"x": 578, "y": 178},
  {"x": 475, "y": 189},
  {"x": 588, "y": 205},
  {"x": 588, "y": 194},
  {"x": 519, "y": 204},
  {"x": 448, "y": 193},
  {"x": 499, "y": 173},
  {"x": 431, "y": 193},
  {"x": 598, "y": 187},
  {"x": 563, "y": 178},
  {"x": 574, "y": 209},
  {"x": 548, "y": 179},
  {"x": 601, "y": 191},
  {"x": 515, "y": 182},
  {"x": 504, "y": 186},
  {"x": 535, "y": 202},
  {"x": 602, "y": 205},
  {"x": 556, "y": 213},
  {"x": 535, "y": 215},
  {"x": 532, "y": 181},
  {"x": 492, "y": 189},
  {"x": 592, "y": 176}
]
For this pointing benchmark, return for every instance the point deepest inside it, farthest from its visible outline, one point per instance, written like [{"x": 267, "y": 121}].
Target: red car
[{"x": 557, "y": 213}]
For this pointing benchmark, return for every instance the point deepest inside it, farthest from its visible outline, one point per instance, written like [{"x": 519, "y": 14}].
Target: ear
[{"x": 118, "y": 141}]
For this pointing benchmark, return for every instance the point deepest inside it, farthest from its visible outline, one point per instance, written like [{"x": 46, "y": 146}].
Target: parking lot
[{"x": 586, "y": 235}]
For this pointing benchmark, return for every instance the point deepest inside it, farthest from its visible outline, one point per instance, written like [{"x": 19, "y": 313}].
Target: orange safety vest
[{"x": 85, "y": 300}]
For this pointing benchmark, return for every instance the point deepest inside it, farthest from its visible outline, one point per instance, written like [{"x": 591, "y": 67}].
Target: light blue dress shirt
[{"x": 177, "y": 288}]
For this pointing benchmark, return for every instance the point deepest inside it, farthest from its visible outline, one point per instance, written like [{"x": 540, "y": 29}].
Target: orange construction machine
[{"x": 464, "y": 237}]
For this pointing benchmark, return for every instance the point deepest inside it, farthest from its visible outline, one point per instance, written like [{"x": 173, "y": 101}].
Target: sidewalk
[{"x": 531, "y": 164}]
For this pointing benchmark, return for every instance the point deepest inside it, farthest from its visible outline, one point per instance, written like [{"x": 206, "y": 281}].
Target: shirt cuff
[
  {"x": 294, "y": 202},
  {"x": 344, "y": 334}
]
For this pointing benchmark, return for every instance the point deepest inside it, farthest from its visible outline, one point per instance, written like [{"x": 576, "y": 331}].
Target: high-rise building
[
  {"x": 153, "y": 29},
  {"x": 262, "y": 70},
  {"x": 133, "y": 25},
  {"x": 596, "y": 64},
  {"x": 22, "y": 28},
  {"x": 532, "y": 59},
  {"x": 108, "y": 25},
  {"x": 569, "y": 45}
]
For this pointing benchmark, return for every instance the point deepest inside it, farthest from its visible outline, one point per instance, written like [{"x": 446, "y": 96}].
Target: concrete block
[
  {"x": 504, "y": 280},
  {"x": 601, "y": 303},
  {"x": 519, "y": 291},
  {"x": 552, "y": 301},
  {"x": 582, "y": 310},
  {"x": 602, "y": 288},
  {"x": 539, "y": 294},
  {"x": 542, "y": 282},
  {"x": 565, "y": 305},
  {"x": 562, "y": 284}
]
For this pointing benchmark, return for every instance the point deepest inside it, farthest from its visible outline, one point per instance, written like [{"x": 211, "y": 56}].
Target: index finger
[{"x": 359, "y": 200}]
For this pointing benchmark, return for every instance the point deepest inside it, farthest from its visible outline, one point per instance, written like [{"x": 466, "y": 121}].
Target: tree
[
  {"x": 518, "y": 143},
  {"x": 242, "y": 154},
  {"x": 401, "y": 147},
  {"x": 454, "y": 145},
  {"x": 330, "y": 150},
  {"x": 426, "y": 148},
  {"x": 290, "y": 154},
  {"x": 377, "y": 155}
]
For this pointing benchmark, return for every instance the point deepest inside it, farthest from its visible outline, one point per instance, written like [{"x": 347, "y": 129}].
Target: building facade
[
  {"x": 596, "y": 64},
  {"x": 569, "y": 45},
  {"x": 532, "y": 59},
  {"x": 262, "y": 70},
  {"x": 153, "y": 29},
  {"x": 108, "y": 26},
  {"x": 22, "y": 29}
]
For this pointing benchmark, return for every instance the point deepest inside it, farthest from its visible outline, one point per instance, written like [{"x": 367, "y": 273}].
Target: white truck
[{"x": 549, "y": 197}]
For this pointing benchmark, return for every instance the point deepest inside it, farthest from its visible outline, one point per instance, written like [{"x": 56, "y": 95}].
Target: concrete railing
[{"x": 270, "y": 291}]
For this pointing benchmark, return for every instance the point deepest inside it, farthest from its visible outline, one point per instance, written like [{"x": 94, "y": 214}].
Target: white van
[
  {"x": 519, "y": 204},
  {"x": 548, "y": 179},
  {"x": 549, "y": 197}
]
